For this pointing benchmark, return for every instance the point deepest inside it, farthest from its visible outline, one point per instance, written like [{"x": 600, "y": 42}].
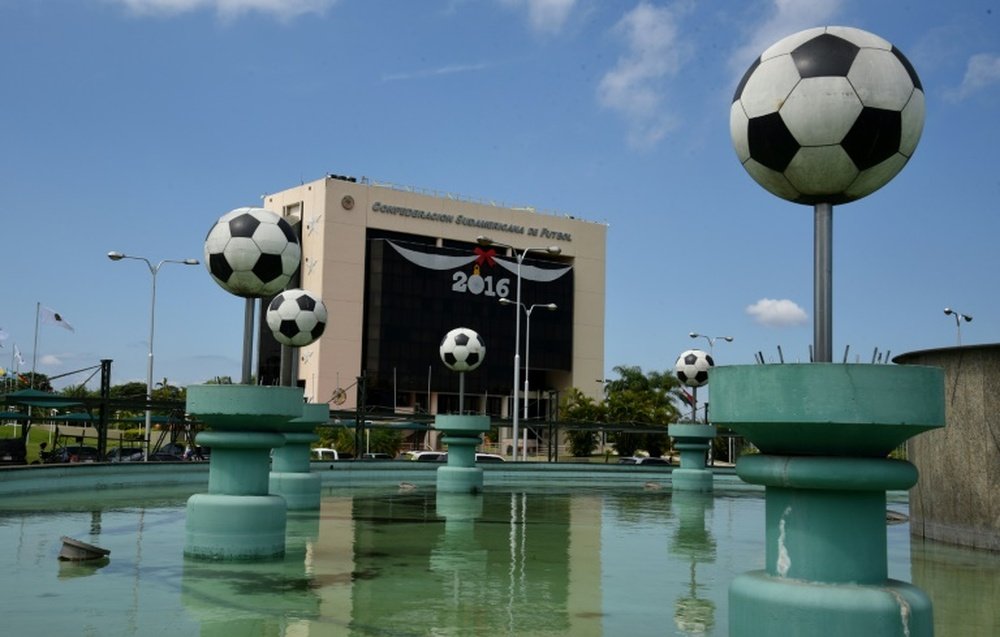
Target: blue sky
[{"x": 132, "y": 125}]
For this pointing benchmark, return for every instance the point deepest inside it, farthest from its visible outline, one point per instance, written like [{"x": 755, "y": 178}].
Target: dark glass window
[{"x": 415, "y": 293}]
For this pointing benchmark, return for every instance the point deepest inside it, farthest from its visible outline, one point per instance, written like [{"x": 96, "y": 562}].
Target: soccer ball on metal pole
[{"x": 823, "y": 117}]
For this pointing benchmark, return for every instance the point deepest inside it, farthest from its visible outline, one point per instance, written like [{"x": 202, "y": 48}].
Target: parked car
[
  {"x": 376, "y": 456},
  {"x": 324, "y": 453},
  {"x": 480, "y": 457},
  {"x": 13, "y": 451},
  {"x": 425, "y": 456},
  {"x": 165, "y": 456},
  {"x": 74, "y": 453},
  {"x": 125, "y": 454},
  {"x": 489, "y": 457},
  {"x": 643, "y": 460},
  {"x": 173, "y": 448}
]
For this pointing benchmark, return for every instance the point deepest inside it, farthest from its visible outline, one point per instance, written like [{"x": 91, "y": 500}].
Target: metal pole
[
  {"x": 149, "y": 364},
  {"x": 517, "y": 350},
  {"x": 247, "y": 342},
  {"x": 527, "y": 348},
  {"x": 823, "y": 282}
]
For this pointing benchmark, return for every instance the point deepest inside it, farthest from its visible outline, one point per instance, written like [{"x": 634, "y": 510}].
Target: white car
[
  {"x": 324, "y": 453},
  {"x": 424, "y": 456},
  {"x": 480, "y": 457}
]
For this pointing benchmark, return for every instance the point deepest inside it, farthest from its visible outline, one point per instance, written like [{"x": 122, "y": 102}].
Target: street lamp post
[
  {"x": 711, "y": 345},
  {"x": 519, "y": 257},
  {"x": 711, "y": 339},
  {"x": 958, "y": 321},
  {"x": 527, "y": 348},
  {"x": 153, "y": 271}
]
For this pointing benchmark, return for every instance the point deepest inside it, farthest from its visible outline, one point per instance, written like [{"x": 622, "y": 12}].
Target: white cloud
[
  {"x": 545, "y": 16},
  {"x": 777, "y": 313},
  {"x": 786, "y": 18},
  {"x": 981, "y": 72},
  {"x": 283, "y": 9},
  {"x": 449, "y": 69},
  {"x": 50, "y": 360},
  {"x": 635, "y": 87}
]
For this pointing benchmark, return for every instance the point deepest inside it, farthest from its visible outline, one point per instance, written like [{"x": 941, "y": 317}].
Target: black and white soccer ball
[
  {"x": 462, "y": 350},
  {"x": 827, "y": 115},
  {"x": 296, "y": 317},
  {"x": 252, "y": 252},
  {"x": 692, "y": 367}
]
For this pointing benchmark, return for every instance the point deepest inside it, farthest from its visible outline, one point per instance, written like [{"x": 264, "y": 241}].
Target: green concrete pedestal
[
  {"x": 462, "y": 435},
  {"x": 824, "y": 432},
  {"x": 692, "y": 441},
  {"x": 238, "y": 519},
  {"x": 290, "y": 477}
]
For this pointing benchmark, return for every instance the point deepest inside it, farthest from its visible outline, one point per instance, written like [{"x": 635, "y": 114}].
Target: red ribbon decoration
[{"x": 485, "y": 256}]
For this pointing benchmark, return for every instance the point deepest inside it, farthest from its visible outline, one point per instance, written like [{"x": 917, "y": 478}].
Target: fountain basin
[
  {"x": 828, "y": 409},
  {"x": 245, "y": 407}
]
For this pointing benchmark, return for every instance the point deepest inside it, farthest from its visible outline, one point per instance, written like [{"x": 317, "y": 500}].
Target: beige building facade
[{"x": 397, "y": 267}]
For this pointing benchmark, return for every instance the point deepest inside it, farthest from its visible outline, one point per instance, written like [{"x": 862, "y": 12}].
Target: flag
[
  {"x": 17, "y": 355},
  {"x": 688, "y": 398},
  {"x": 52, "y": 317},
  {"x": 3, "y": 336}
]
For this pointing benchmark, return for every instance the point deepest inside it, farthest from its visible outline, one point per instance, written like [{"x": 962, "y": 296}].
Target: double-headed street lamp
[
  {"x": 153, "y": 270},
  {"x": 958, "y": 321},
  {"x": 552, "y": 307},
  {"x": 519, "y": 257},
  {"x": 711, "y": 339}
]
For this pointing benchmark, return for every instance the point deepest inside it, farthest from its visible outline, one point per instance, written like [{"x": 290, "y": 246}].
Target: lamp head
[
  {"x": 694, "y": 334},
  {"x": 484, "y": 241},
  {"x": 728, "y": 339},
  {"x": 505, "y": 301},
  {"x": 968, "y": 319},
  {"x": 116, "y": 256},
  {"x": 191, "y": 261},
  {"x": 948, "y": 311},
  {"x": 552, "y": 307},
  {"x": 553, "y": 250}
]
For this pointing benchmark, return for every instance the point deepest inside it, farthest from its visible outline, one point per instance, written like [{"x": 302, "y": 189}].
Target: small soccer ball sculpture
[
  {"x": 692, "y": 367},
  {"x": 252, "y": 252},
  {"x": 827, "y": 115},
  {"x": 296, "y": 317},
  {"x": 462, "y": 350}
]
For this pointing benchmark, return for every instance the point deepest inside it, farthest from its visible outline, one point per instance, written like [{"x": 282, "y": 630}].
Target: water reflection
[
  {"x": 693, "y": 614},
  {"x": 590, "y": 563},
  {"x": 963, "y": 584}
]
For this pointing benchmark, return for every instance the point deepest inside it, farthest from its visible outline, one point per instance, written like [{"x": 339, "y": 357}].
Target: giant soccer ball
[
  {"x": 827, "y": 115},
  {"x": 252, "y": 252},
  {"x": 692, "y": 367},
  {"x": 462, "y": 350},
  {"x": 296, "y": 317}
]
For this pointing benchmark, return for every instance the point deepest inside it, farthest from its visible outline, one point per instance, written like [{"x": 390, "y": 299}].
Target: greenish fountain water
[{"x": 602, "y": 561}]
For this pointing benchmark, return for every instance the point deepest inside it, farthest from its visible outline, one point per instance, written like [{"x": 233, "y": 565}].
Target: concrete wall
[
  {"x": 956, "y": 499},
  {"x": 63, "y": 478}
]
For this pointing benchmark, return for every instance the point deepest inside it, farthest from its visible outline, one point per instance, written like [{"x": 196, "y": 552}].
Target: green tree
[
  {"x": 23, "y": 381},
  {"x": 78, "y": 391},
  {"x": 584, "y": 411},
  {"x": 165, "y": 391},
  {"x": 637, "y": 399},
  {"x": 130, "y": 390}
]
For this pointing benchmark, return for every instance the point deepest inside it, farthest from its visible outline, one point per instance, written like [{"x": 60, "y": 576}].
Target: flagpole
[{"x": 34, "y": 353}]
